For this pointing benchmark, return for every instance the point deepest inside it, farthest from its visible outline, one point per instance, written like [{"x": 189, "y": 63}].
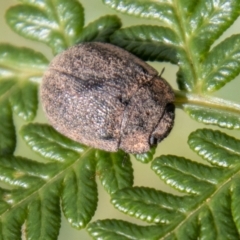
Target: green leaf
[
  {"x": 146, "y": 157},
  {"x": 5, "y": 85},
  {"x": 11, "y": 223},
  {"x": 24, "y": 101},
  {"x": 75, "y": 165},
  {"x": 202, "y": 26},
  {"x": 44, "y": 218},
  {"x": 151, "y": 205},
  {"x": 235, "y": 203},
  {"x": 163, "y": 11},
  {"x": 20, "y": 63},
  {"x": 187, "y": 7},
  {"x": 47, "y": 142},
  {"x": 20, "y": 68},
  {"x": 67, "y": 176},
  {"x": 209, "y": 20},
  {"x": 79, "y": 193},
  {"x": 184, "y": 175},
  {"x": 210, "y": 220},
  {"x": 186, "y": 75},
  {"x": 114, "y": 170},
  {"x": 15, "y": 170},
  {"x": 152, "y": 43},
  {"x": 209, "y": 110},
  {"x": 208, "y": 208},
  {"x": 220, "y": 117},
  {"x": 56, "y": 23},
  {"x": 216, "y": 147},
  {"x": 190, "y": 30},
  {"x": 31, "y": 192},
  {"x": 3, "y": 204},
  {"x": 7, "y": 130},
  {"x": 221, "y": 211},
  {"x": 121, "y": 230},
  {"x": 222, "y": 64},
  {"x": 100, "y": 30}
]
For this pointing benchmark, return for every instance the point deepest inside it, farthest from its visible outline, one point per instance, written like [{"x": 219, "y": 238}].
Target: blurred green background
[{"x": 175, "y": 144}]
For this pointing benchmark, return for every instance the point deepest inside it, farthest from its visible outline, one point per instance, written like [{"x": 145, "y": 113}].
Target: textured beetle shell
[{"x": 103, "y": 96}]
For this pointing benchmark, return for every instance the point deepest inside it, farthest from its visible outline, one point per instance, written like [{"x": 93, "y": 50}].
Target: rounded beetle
[{"x": 105, "y": 97}]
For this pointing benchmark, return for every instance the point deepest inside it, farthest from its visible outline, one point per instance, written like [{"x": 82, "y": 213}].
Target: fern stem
[{"x": 184, "y": 98}]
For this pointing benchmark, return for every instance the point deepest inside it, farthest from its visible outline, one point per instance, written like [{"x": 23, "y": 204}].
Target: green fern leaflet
[{"x": 206, "y": 200}]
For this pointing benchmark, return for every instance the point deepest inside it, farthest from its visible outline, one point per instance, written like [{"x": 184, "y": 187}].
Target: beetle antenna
[{"x": 162, "y": 72}]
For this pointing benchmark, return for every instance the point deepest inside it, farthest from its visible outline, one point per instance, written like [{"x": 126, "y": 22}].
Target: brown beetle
[{"x": 103, "y": 96}]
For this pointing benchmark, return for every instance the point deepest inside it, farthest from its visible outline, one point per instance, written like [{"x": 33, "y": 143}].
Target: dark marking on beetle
[
  {"x": 103, "y": 96},
  {"x": 123, "y": 101}
]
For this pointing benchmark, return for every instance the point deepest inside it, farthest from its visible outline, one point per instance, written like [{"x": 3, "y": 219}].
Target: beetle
[{"x": 105, "y": 97}]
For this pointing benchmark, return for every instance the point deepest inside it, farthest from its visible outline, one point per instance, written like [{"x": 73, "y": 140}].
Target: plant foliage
[
  {"x": 68, "y": 174},
  {"x": 209, "y": 208},
  {"x": 32, "y": 193},
  {"x": 186, "y": 39}
]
